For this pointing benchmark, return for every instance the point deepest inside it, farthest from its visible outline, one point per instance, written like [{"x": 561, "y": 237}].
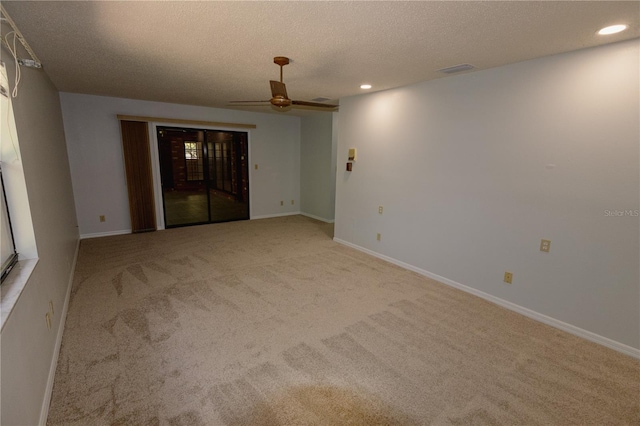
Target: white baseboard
[
  {"x": 588, "y": 335},
  {"x": 46, "y": 402},
  {"x": 104, "y": 234},
  {"x": 321, "y": 219},
  {"x": 268, "y": 216}
]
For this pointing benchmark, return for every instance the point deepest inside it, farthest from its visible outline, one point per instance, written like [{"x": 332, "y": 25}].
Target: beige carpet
[{"x": 270, "y": 322}]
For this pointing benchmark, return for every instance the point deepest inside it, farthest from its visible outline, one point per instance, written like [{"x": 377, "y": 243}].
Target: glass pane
[
  {"x": 181, "y": 167},
  {"x": 226, "y": 203},
  {"x": 194, "y": 193},
  {"x": 7, "y": 250},
  {"x": 185, "y": 207},
  {"x": 212, "y": 164}
]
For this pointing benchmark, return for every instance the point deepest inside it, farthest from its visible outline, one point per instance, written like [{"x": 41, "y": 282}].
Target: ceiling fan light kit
[{"x": 279, "y": 98}]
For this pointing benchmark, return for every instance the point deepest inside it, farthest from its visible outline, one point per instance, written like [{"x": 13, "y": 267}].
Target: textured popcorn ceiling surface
[{"x": 209, "y": 53}]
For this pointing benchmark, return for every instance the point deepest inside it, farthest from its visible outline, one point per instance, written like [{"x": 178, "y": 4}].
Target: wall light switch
[
  {"x": 102, "y": 218},
  {"x": 545, "y": 245},
  {"x": 508, "y": 277},
  {"x": 352, "y": 154},
  {"x": 255, "y": 166}
]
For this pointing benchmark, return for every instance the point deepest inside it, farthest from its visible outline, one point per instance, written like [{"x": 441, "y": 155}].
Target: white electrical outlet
[{"x": 545, "y": 245}]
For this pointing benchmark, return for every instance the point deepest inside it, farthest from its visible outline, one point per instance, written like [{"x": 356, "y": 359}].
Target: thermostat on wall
[{"x": 352, "y": 154}]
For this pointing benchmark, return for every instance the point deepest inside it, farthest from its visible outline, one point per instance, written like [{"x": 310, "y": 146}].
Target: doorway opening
[{"x": 204, "y": 175}]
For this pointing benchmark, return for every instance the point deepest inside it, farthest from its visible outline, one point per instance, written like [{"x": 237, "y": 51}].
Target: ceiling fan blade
[
  {"x": 278, "y": 89},
  {"x": 240, "y": 102},
  {"x": 314, "y": 104},
  {"x": 241, "y": 105}
]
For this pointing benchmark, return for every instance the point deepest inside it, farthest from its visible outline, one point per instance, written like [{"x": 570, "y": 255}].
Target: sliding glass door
[{"x": 205, "y": 175}]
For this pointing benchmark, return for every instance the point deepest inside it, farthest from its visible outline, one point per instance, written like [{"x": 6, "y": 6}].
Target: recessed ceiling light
[
  {"x": 612, "y": 29},
  {"x": 365, "y": 86}
]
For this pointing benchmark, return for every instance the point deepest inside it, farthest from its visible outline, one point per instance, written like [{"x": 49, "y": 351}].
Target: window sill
[{"x": 12, "y": 287}]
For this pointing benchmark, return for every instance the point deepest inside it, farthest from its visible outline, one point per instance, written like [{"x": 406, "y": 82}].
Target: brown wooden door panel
[{"x": 137, "y": 161}]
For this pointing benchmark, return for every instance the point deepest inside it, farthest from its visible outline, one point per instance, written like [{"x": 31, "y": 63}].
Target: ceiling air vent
[
  {"x": 457, "y": 68},
  {"x": 320, "y": 99}
]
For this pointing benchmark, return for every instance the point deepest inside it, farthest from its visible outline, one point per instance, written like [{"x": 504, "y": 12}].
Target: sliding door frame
[{"x": 155, "y": 162}]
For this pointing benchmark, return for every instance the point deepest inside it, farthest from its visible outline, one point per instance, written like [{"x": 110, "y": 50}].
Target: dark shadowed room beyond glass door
[{"x": 205, "y": 176}]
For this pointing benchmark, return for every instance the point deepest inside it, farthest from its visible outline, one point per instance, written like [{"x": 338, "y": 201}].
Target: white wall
[
  {"x": 317, "y": 172},
  {"x": 28, "y": 348},
  {"x": 473, "y": 170},
  {"x": 97, "y": 165}
]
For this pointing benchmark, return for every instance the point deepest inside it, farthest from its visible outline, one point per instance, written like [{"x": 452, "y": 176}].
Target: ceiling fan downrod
[{"x": 282, "y": 61}]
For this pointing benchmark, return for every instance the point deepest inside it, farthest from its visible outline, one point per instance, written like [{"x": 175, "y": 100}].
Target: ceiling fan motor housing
[{"x": 280, "y": 101}]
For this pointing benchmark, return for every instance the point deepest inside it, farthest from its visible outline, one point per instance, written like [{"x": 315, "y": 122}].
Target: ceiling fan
[{"x": 279, "y": 98}]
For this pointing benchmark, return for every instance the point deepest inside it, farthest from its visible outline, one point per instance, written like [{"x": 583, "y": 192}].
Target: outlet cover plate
[{"x": 545, "y": 245}]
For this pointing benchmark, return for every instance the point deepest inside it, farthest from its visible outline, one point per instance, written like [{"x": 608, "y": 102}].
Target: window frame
[
  {"x": 193, "y": 167},
  {"x": 11, "y": 261}
]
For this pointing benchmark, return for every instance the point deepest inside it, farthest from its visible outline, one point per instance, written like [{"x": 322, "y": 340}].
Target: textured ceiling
[{"x": 209, "y": 53}]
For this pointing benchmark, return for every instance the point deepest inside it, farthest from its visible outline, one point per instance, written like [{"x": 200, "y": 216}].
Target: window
[
  {"x": 16, "y": 233},
  {"x": 193, "y": 158},
  {"x": 8, "y": 247}
]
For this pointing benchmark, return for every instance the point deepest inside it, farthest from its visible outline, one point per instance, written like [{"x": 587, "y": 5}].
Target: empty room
[{"x": 320, "y": 213}]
